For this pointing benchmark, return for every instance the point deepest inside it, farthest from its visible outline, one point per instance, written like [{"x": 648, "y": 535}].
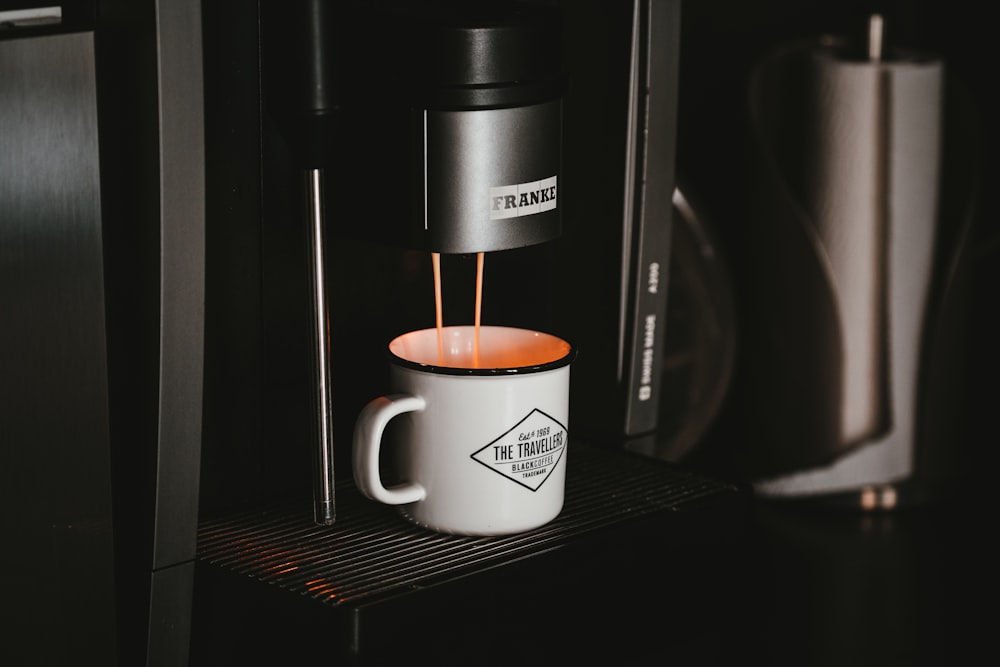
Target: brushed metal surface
[
  {"x": 55, "y": 488},
  {"x": 467, "y": 154},
  {"x": 171, "y": 597},
  {"x": 182, "y": 280}
]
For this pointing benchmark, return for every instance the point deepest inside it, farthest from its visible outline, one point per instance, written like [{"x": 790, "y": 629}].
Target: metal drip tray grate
[{"x": 372, "y": 552}]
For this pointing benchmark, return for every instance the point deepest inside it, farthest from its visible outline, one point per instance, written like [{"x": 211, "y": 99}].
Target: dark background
[{"x": 835, "y": 586}]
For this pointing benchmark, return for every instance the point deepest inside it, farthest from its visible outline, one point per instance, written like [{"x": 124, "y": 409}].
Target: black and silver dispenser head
[{"x": 489, "y": 102}]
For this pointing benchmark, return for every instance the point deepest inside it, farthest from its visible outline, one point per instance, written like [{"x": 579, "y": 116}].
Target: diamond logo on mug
[{"x": 528, "y": 452}]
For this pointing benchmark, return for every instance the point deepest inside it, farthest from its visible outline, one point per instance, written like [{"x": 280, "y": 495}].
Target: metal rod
[
  {"x": 875, "y": 37},
  {"x": 324, "y": 503}
]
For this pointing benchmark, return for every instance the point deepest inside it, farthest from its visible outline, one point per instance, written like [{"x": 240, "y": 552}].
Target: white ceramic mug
[{"x": 479, "y": 432}]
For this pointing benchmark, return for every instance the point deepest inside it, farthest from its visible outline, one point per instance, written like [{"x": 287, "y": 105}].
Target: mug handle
[{"x": 368, "y": 431}]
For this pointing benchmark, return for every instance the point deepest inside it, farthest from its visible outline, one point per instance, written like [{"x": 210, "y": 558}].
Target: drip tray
[{"x": 375, "y": 586}]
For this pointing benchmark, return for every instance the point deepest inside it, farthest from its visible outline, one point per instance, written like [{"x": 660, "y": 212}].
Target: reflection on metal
[
  {"x": 55, "y": 486},
  {"x": 25, "y": 18}
]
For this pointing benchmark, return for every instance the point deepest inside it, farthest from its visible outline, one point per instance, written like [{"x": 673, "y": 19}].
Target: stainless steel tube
[{"x": 324, "y": 503}]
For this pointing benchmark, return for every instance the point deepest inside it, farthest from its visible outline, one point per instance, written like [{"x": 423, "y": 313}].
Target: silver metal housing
[{"x": 491, "y": 178}]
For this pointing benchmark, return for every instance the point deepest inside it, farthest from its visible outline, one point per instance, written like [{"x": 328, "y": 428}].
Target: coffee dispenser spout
[{"x": 489, "y": 91}]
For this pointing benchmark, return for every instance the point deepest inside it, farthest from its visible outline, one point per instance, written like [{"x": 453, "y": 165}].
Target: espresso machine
[
  {"x": 532, "y": 139},
  {"x": 268, "y": 188},
  {"x": 402, "y": 139}
]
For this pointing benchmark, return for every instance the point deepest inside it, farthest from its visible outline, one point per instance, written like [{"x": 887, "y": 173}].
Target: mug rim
[{"x": 560, "y": 362}]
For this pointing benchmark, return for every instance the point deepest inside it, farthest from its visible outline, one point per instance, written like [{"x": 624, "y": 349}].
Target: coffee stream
[
  {"x": 436, "y": 263},
  {"x": 438, "y": 310},
  {"x": 479, "y": 307}
]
